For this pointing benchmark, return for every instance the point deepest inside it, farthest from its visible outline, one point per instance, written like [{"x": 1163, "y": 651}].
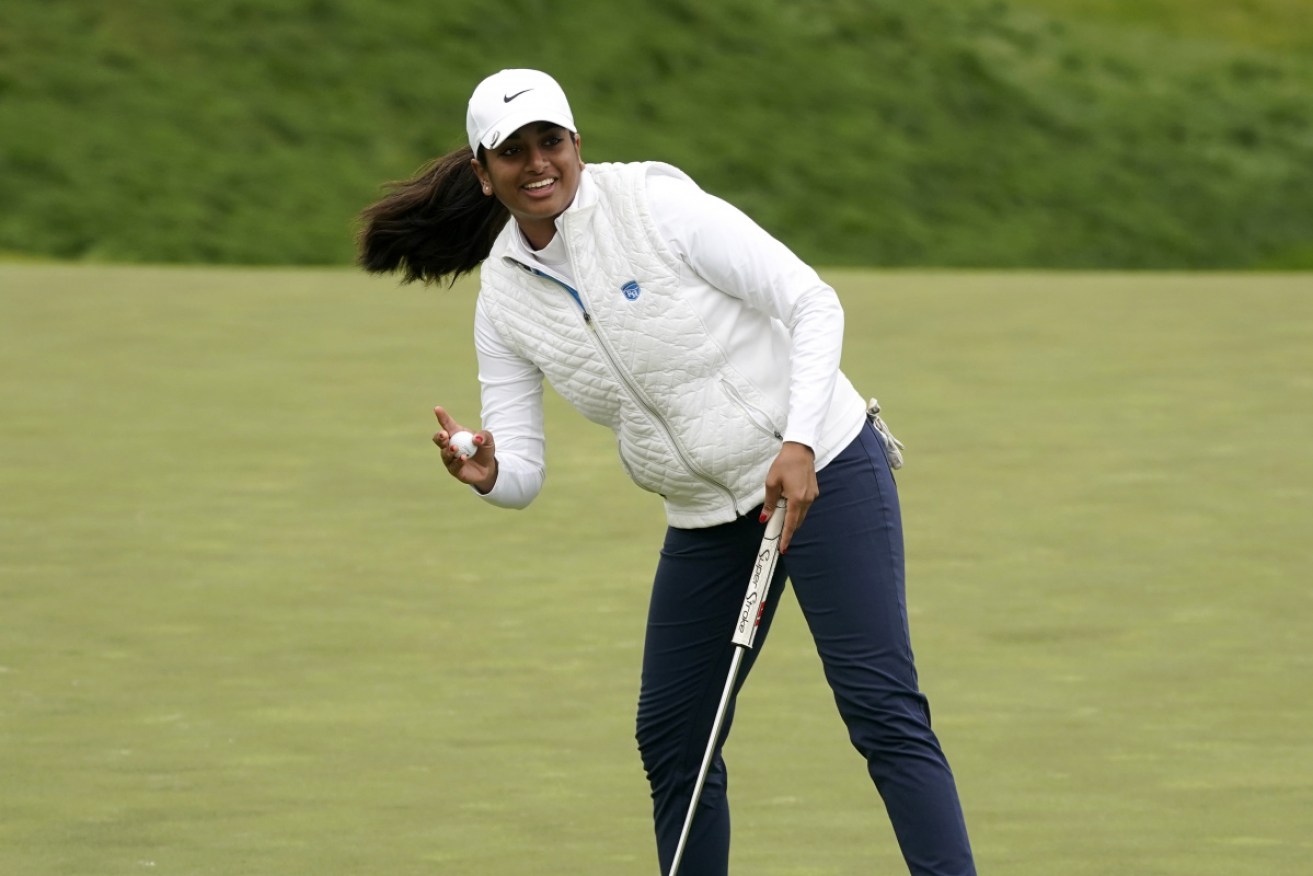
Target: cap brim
[{"x": 512, "y": 122}]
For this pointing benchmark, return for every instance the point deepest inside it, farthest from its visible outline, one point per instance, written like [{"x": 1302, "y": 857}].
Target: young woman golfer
[{"x": 713, "y": 354}]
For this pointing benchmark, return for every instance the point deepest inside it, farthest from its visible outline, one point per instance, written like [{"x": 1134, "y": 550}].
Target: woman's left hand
[{"x": 793, "y": 476}]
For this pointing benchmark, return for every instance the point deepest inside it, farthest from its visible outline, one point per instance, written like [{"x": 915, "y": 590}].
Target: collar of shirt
[{"x": 553, "y": 255}]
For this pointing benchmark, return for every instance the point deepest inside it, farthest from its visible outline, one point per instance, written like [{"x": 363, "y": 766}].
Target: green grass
[
  {"x": 249, "y": 626},
  {"x": 972, "y": 133}
]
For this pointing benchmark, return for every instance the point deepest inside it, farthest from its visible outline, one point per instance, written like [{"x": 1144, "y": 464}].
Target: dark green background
[{"x": 974, "y": 133}]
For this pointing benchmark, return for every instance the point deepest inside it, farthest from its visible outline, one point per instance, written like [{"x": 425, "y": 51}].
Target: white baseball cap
[{"x": 507, "y": 101}]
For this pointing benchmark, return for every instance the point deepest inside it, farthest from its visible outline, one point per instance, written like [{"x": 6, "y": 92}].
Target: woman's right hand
[{"x": 479, "y": 470}]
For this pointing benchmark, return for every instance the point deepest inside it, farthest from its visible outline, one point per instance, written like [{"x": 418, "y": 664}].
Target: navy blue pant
[{"x": 846, "y": 567}]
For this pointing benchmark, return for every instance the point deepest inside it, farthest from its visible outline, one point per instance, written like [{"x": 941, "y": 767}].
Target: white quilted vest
[{"x": 631, "y": 354}]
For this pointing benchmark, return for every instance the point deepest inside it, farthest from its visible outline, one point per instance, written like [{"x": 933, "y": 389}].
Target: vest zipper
[
  {"x": 637, "y": 394},
  {"x": 588, "y": 317}
]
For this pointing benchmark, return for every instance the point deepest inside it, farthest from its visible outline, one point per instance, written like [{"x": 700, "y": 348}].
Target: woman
[{"x": 713, "y": 353}]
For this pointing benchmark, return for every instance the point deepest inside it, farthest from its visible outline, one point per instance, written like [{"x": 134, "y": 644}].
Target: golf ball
[{"x": 463, "y": 444}]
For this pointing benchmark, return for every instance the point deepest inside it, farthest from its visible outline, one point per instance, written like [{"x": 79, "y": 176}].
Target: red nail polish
[
  {"x": 763, "y": 518},
  {"x": 478, "y": 439}
]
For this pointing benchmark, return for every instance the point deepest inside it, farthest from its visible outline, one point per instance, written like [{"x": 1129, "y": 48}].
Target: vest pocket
[{"x": 755, "y": 415}]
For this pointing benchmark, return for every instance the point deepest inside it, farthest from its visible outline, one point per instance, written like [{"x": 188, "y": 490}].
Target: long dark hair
[{"x": 432, "y": 227}]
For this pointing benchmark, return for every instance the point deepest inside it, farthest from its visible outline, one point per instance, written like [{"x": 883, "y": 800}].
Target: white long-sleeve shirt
[{"x": 717, "y": 245}]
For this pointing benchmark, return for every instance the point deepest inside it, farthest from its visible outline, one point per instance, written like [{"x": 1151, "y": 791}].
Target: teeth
[{"x": 540, "y": 185}]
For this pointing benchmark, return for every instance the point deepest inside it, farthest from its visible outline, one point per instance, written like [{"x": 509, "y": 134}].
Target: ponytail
[{"x": 433, "y": 227}]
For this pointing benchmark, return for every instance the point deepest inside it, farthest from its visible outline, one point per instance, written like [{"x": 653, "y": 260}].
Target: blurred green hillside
[{"x": 972, "y": 133}]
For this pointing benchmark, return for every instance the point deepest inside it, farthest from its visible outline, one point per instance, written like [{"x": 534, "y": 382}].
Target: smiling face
[{"x": 535, "y": 173}]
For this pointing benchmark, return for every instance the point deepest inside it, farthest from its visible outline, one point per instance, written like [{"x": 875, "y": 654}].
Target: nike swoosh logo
[{"x": 510, "y": 97}]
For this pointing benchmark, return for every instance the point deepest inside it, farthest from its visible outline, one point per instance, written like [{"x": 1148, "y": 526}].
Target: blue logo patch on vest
[{"x": 631, "y": 290}]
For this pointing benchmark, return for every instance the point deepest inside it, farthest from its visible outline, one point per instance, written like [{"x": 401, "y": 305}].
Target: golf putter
[{"x": 745, "y": 631}]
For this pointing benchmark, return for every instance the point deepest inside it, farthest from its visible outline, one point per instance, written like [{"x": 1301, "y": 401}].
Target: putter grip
[{"x": 763, "y": 570}]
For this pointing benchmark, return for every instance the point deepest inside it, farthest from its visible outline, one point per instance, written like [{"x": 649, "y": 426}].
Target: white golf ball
[{"x": 463, "y": 444}]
